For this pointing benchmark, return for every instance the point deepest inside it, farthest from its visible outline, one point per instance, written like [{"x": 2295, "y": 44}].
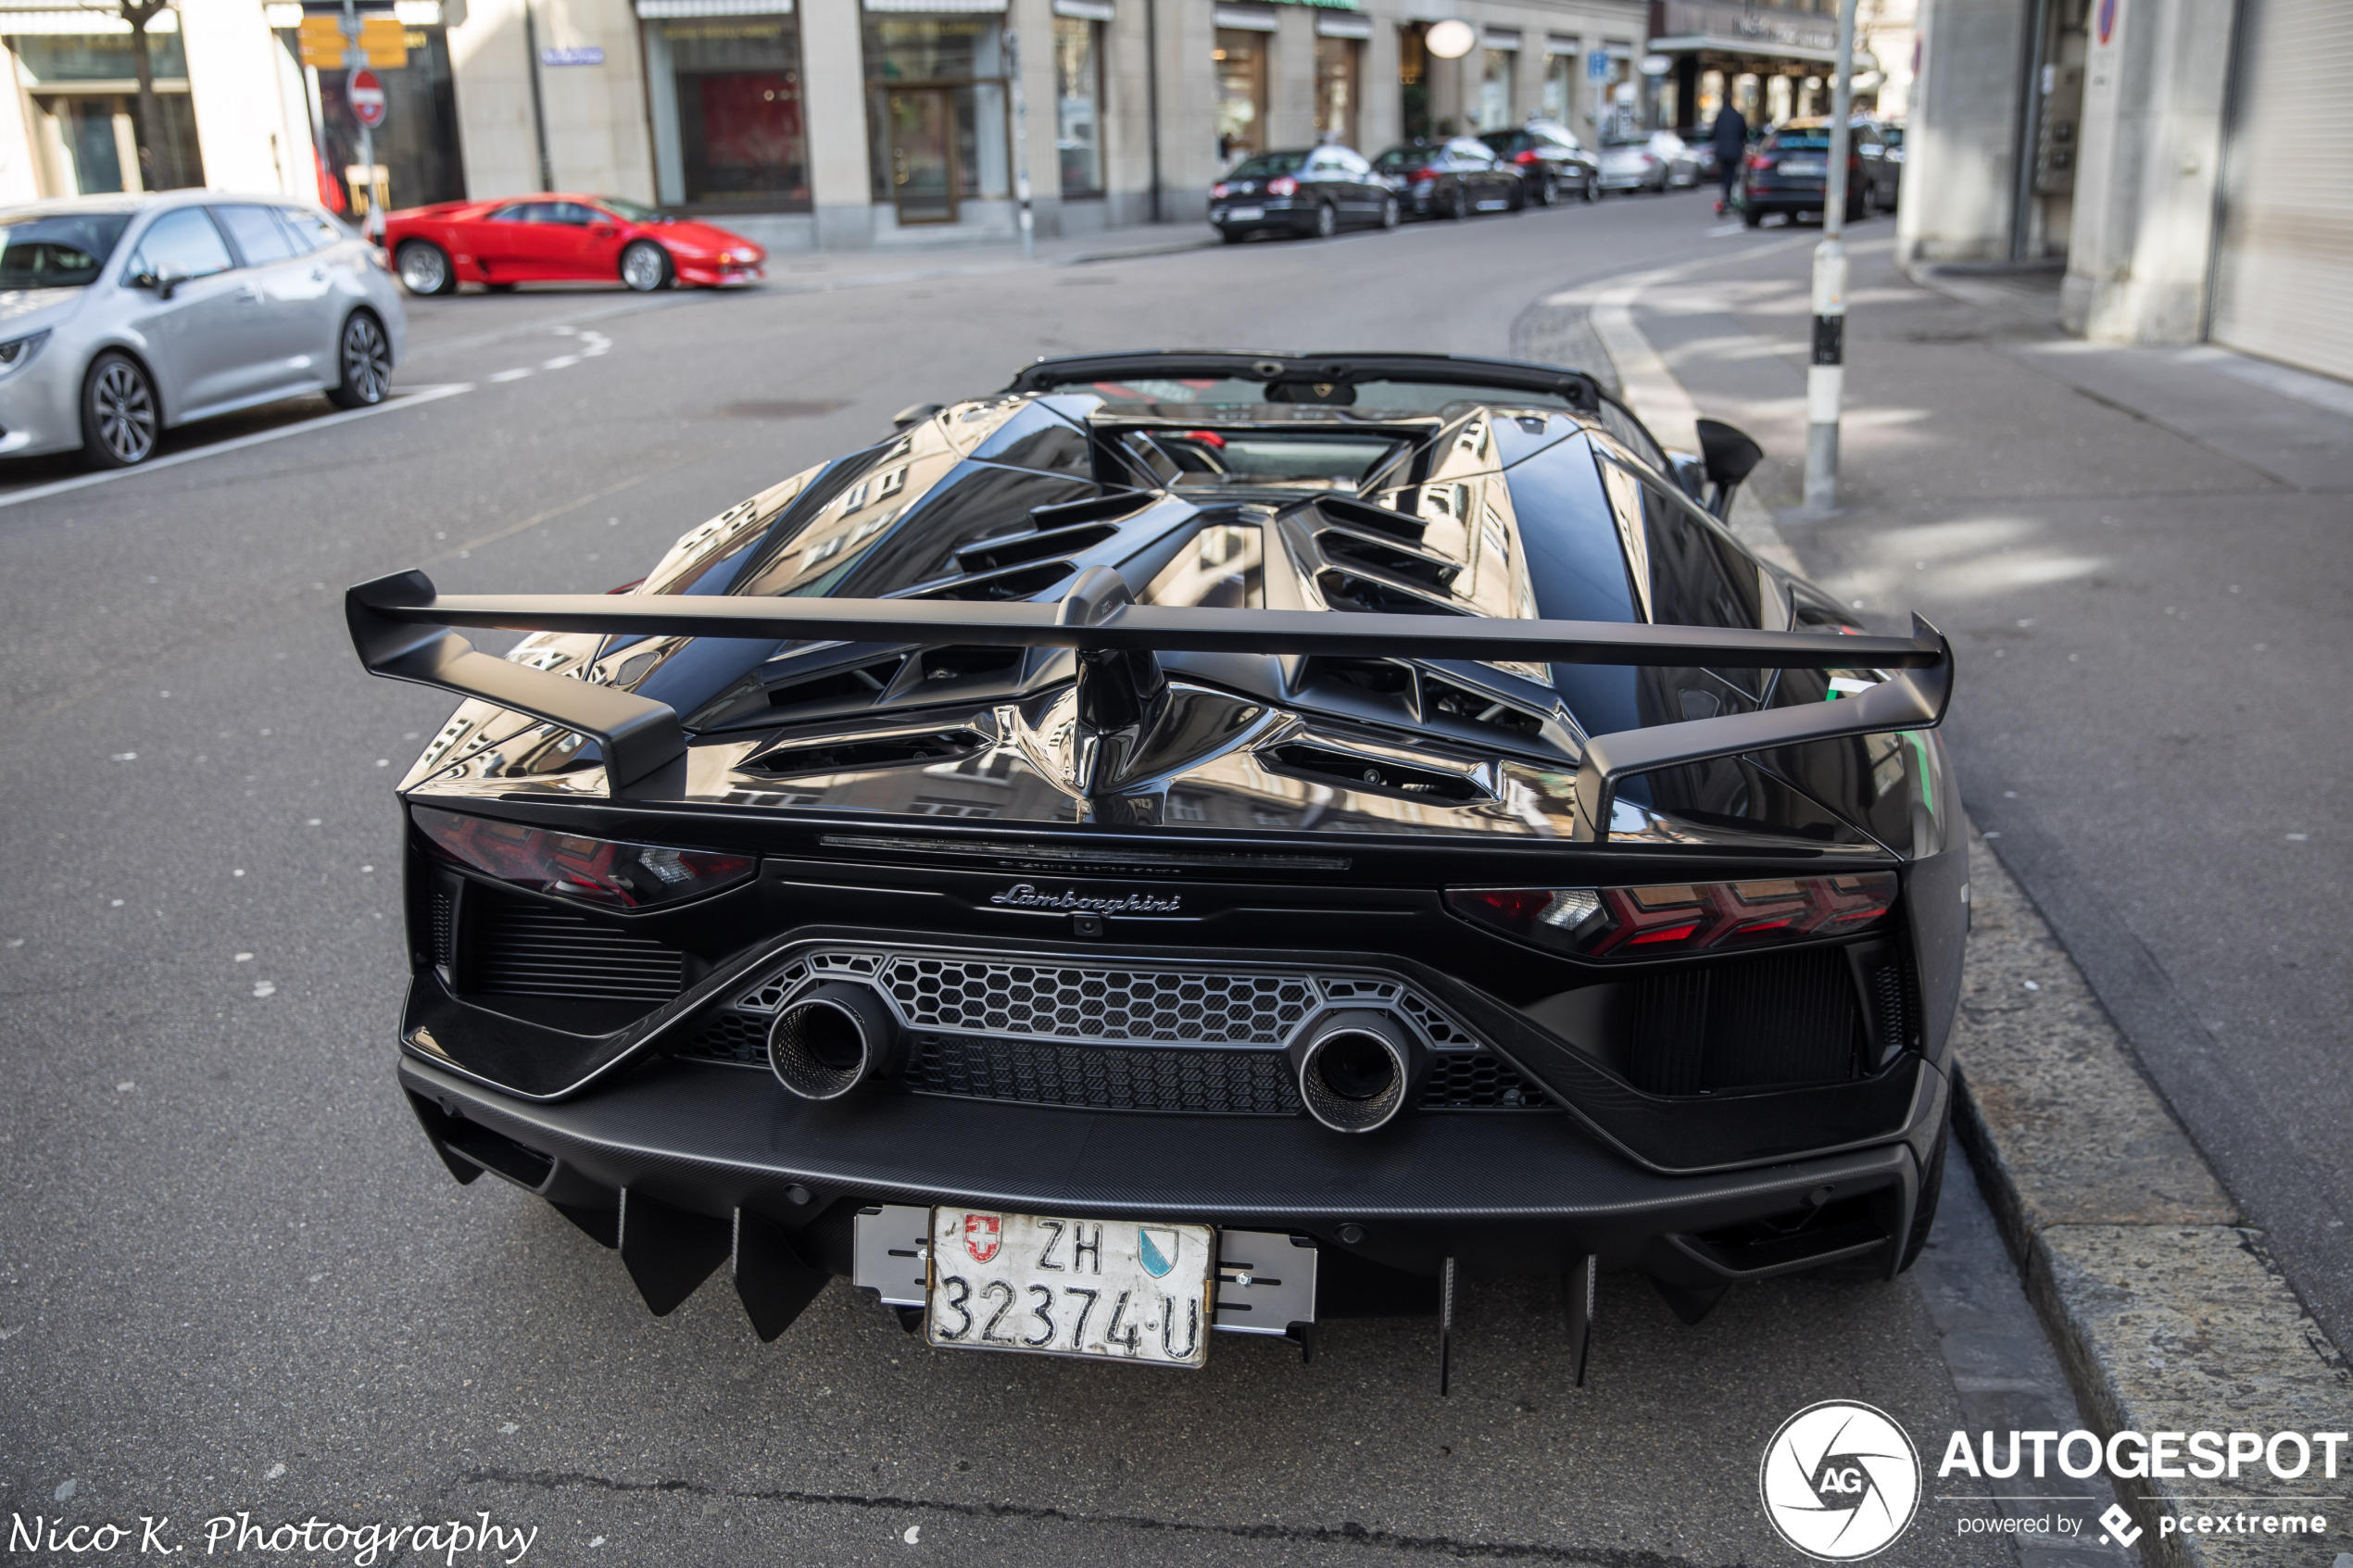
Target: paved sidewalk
[{"x": 2154, "y": 780}]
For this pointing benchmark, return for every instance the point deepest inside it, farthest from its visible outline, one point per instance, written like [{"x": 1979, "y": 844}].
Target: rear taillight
[
  {"x": 1681, "y": 918},
  {"x": 592, "y": 871},
  {"x": 1282, "y": 185},
  {"x": 1426, "y": 174},
  {"x": 1759, "y": 160},
  {"x": 1531, "y": 156},
  {"x": 1218, "y": 189}
]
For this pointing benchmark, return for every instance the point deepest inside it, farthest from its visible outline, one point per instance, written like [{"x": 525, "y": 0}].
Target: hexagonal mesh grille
[
  {"x": 1121, "y": 1078},
  {"x": 1071, "y": 1003}
]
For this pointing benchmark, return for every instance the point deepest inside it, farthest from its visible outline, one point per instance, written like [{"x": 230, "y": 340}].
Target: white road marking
[
  {"x": 562, "y": 362},
  {"x": 512, "y": 375},
  {"x": 407, "y": 398}
]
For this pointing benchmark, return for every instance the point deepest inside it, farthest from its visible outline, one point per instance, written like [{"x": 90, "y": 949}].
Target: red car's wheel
[
  {"x": 425, "y": 267},
  {"x": 645, "y": 265}
]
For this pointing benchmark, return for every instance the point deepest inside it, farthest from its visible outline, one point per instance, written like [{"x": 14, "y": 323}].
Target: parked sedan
[
  {"x": 121, "y": 317},
  {"x": 1788, "y": 172},
  {"x": 1550, "y": 161},
  {"x": 1451, "y": 179},
  {"x": 1647, "y": 161},
  {"x": 1313, "y": 191},
  {"x": 563, "y": 239}
]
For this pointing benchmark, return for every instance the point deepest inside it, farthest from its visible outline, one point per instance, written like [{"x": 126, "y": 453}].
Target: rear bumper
[
  {"x": 1503, "y": 1192},
  {"x": 1283, "y": 215}
]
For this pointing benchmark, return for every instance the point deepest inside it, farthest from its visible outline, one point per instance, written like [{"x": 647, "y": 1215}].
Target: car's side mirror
[
  {"x": 163, "y": 283},
  {"x": 1727, "y": 456}
]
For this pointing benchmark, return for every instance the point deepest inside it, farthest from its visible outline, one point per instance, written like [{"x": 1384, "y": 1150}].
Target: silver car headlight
[{"x": 17, "y": 353}]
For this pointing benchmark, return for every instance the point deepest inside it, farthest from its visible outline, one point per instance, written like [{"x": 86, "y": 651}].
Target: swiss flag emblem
[{"x": 981, "y": 1235}]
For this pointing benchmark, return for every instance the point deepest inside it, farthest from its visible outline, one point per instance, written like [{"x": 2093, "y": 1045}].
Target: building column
[
  {"x": 1379, "y": 115},
  {"x": 2142, "y": 236},
  {"x": 833, "y": 89},
  {"x": 245, "y": 135},
  {"x": 492, "y": 68},
  {"x": 1291, "y": 79}
]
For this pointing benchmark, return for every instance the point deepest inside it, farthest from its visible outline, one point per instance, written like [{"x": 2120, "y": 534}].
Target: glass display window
[
  {"x": 1336, "y": 100},
  {"x": 1078, "y": 105},
  {"x": 1241, "y": 58},
  {"x": 730, "y": 127},
  {"x": 935, "y": 111}
]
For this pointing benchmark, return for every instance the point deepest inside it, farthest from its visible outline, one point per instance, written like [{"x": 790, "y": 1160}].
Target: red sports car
[{"x": 561, "y": 238}]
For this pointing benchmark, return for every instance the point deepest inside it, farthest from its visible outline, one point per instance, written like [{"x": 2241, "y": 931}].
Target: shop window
[
  {"x": 1336, "y": 90},
  {"x": 416, "y": 147},
  {"x": 1560, "y": 82},
  {"x": 1078, "y": 105},
  {"x": 935, "y": 112},
  {"x": 85, "y": 110},
  {"x": 728, "y": 126},
  {"x": 1496, "y": 68},
  {"x": 1241, "y": 58},
  {"x": 1412, "y": 81}
]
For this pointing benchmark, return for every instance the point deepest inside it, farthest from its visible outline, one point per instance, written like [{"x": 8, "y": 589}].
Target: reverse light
[
  {"x": 1677, "y": 919},
  {"x": 592, "y": 871},
  {"x": 1282, "y": 185}
]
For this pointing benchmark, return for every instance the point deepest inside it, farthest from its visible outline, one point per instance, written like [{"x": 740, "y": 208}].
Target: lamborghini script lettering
[{"x": 1022, "y": 895}]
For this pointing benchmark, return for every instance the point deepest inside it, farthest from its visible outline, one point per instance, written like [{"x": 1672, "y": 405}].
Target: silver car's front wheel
[
  {"x": 120, "y": 418},
  {"x": 366, "y": 359}
]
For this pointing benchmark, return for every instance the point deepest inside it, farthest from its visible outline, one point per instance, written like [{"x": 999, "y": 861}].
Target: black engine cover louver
[
  {"x": 516, "y": 946},
  {"x": 1793, "y": 1019}
]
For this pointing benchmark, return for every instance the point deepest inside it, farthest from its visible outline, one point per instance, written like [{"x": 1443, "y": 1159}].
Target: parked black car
[
  {"x": 1313, "y": 191},
  {"x": 1550, "y": 161},
  {"x": 1451, "y": 179},
  {"x": 1120, "y": 857},
  {"x": 1881, "y": 149},
  {"x": 1788, "y": 172}
]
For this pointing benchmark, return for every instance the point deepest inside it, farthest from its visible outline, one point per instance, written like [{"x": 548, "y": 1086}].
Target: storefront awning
[
  {"x": 52, "y": 20},
  {"x": 1751, "y": 47},
  {"x": 1343, "y": 27},
  {"x": 1085, "y": 10},
  {"x": 936, "y": 6},
  {"x": 663, "y": 10}
]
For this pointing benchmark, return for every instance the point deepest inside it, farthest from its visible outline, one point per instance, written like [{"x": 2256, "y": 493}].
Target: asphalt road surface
[{"x": 233, "y": 1278}]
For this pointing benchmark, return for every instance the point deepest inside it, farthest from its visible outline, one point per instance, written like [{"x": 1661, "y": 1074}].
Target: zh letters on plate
[{"x": 1114, "y": 1289}]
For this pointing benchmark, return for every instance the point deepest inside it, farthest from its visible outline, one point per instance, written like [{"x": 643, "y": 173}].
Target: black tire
[
  {"x": 425, "y": 267},
  {"x": 645, "y": 266},
  {"x": 1548, "y": 189},
  {"x": 1857, "y": 208},
  {"x": 1327, "y": 220},
  {"x": 1518, "y": 201},
  {"x": 1390, "y": 212},
  {"x": 1932, "y": 1188},
  {"x": 364, "y": 355},
  {"x": 1232, "y": 236},
  {"x": 1457, "y": 206},
  {"x": 121, "y": 416},
  {"x": 1751, "y": 217}
]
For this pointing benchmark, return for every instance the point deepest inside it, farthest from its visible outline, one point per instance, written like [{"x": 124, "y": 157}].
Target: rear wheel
[
  {"x": 425, "y": 267},
  {"x": 1457, "y": 205},
  {"x": 1389, "y": 212},
  {"x": 121, "y": 417},
  {"x": 1327, "y": 220},
  {"x": 1548, "y": 189},
  {"x": 365, "y": 356},
  {"x": 645, "y": 265},
  {"x": 1751, "y": 217}
]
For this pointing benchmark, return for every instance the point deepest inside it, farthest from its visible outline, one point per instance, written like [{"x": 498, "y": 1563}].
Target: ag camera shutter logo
[{"x": 1840, "y": 1481}]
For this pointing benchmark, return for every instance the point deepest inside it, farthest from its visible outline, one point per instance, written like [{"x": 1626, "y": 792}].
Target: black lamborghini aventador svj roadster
[{"x": 1194, "y": 842}]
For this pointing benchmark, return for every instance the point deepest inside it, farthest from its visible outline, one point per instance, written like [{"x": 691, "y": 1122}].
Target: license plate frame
[
  {"x": 984, "y": 1269},
  {"x": 1244, "y": 214}
]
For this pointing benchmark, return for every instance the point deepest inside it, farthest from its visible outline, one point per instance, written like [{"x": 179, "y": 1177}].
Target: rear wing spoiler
[{"x": 402, "y": 628}]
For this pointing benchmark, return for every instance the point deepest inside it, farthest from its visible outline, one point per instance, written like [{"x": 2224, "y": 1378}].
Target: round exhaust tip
[
  {"x": 1355, "y": 1070},
  {"x": 831, "y": 1040}
]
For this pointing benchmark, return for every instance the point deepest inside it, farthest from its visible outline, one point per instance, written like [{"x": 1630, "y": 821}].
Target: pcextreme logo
[{"x": 1840, "y": 1481}]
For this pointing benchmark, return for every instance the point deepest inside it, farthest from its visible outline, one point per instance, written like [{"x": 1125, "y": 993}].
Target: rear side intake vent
[
  {"x": 856, "y": 687},
  {"x": 1791, "y": 1020},
  {"x": 854, "y": 754},
  {"x": 517, "y": 947},
  {"x": 1466, "y": 707},
  {"x": 444, "y": 930}
]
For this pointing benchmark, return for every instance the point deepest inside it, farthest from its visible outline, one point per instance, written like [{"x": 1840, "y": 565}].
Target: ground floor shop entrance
[{"x": 922, "y": 165}]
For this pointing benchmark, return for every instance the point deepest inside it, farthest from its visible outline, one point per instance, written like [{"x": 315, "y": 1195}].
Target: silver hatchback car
[{"x": 123, "y": 316}]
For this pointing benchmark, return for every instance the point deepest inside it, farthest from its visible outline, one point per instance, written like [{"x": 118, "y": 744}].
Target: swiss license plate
[
  {"x": 1118, "y": 1290},
  {"x": 1244, "y": 214},
  {"x": 1804, "y": 168}
]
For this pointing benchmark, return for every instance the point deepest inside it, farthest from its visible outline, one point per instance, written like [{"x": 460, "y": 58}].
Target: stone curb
[{"x": 2166, "y": 1310}]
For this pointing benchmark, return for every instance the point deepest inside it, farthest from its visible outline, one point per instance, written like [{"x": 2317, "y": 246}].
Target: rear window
[
  {"x": 1266, "y": 164},
  {"x": 1800, "y": 141},
  {"x": 64, "y": 251},
  {"x": 1403, "y": 157}
]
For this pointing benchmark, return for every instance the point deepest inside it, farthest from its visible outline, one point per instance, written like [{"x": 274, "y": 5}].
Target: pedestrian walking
[{"x": 1730, "y": 136}]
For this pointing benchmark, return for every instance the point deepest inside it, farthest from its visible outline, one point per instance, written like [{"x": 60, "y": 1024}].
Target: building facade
[
  {"x": 2157, "y": 150},
  {"x": 803, "y": 123}
]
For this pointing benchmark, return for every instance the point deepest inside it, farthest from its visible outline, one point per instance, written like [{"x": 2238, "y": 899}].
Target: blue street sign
[{"x": 1597, "y": 66}]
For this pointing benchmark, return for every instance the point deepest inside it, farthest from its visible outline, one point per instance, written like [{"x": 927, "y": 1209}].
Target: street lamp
[{"x": 1450, "y": 39}]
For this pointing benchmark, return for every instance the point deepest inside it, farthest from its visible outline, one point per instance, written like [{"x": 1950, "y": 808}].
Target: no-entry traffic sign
[{"x": 367, "y": 96}]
